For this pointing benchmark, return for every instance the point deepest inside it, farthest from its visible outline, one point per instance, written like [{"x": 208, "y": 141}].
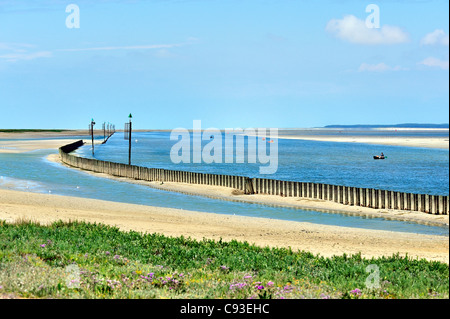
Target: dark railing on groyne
[
  {"x": 364, "y": 197},
  {"x": 71, "y": 147}
]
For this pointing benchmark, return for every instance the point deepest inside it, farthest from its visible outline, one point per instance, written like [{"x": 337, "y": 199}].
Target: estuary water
[
  {"x": 406, "y": 169},
  {"x": 298, "y": 160}
]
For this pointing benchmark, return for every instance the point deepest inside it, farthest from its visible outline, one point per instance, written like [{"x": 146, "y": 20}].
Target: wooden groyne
[{"x": 355, "y": 196}]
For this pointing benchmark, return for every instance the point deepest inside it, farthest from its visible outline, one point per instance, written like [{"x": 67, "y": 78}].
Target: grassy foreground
[{"x": 82, "y": 260}]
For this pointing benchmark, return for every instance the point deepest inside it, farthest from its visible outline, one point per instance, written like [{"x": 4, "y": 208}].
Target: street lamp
[
  {"x": 92, "y": 135},
  {"x": 104, "y": 132}
]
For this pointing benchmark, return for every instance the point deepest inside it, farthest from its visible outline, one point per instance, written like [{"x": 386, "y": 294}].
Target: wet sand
[
  {"x": 386, "y": 136},
  {"x": 323, "y": 240}
]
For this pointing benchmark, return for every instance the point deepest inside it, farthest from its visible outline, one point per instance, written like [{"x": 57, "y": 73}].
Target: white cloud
[
  {"x": 354, "y": 30},
  {"x": 435, "y": 62},
  {"x": 380, "y": 67},
  {"x": 436, "y": 37}
]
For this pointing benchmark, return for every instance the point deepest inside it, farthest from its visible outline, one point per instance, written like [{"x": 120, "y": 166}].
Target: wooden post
[
  {"x": 345, "y": 194},
  {"x": 447, "y": 205},
  {"x": 355, "y": 196},
  {"x": 433, "y": 204},
  {"x": 420, "y": 203},
  {"x": 340, "y": 195}
]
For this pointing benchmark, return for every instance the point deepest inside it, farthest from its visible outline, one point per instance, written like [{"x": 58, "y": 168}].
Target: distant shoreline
[
  {"x": 406, "y": 125},
  {"x": 30, "y": 130},
  {"x": 311, "y": 134},
  {"x": 363, "y": 127}
]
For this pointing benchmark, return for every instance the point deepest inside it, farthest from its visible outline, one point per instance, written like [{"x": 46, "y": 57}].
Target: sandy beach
[
  {"x": 32, "y": 141},
  {"x": 45, "y": 134},
  {"x": 318, "y": 239},
  {"x": 32, "y": 145}
]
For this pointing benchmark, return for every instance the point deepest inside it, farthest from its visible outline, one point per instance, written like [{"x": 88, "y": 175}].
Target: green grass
[{"x": 81, "y": 260}]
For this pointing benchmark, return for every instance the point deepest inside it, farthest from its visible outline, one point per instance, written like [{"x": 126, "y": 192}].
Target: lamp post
[
  {"x": 92, "y": 135},
  {"x": 129, "y": 140}
]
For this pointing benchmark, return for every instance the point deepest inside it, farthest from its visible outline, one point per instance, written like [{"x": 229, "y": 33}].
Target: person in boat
[{"x": 379, "y": 156}]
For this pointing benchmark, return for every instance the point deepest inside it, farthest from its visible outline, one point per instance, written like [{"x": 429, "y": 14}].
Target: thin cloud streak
[
  {"x": 380, "y": 67},
  {"x": 133, "y": 47},
  {"x": 14, "y": 57},
  {"x": 18, "y": 51}
]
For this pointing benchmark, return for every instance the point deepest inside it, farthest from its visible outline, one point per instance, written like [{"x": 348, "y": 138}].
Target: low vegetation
[{"x": 82, "y": 260}]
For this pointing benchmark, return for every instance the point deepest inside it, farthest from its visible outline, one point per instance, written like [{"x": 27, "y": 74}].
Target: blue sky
[{"x": 228, "y": 63}]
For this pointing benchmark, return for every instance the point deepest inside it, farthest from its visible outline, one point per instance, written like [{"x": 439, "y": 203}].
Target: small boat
[{"x": 379, "y": 157}]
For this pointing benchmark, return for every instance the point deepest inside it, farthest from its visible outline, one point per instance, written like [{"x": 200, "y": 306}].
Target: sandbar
[
  {"x": 384, "y": 136},
  {"x": 32, "y": 141}
]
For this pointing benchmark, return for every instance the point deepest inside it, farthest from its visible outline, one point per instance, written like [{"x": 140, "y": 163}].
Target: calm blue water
[
  {"x": 407, "y": 169},
  {"x": 32, "y": 172}
]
